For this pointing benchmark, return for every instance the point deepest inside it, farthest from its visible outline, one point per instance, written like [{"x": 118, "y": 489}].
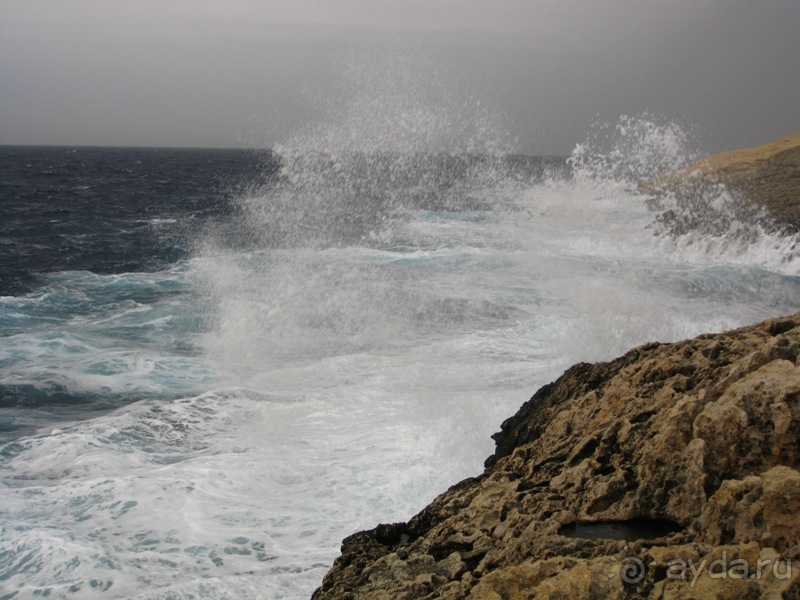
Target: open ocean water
[{"x": 214, "y": 365}]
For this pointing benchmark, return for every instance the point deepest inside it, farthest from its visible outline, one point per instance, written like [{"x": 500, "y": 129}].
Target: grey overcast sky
[{"x": 232, "y": 73}]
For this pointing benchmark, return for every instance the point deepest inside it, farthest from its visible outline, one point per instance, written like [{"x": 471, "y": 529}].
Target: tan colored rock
[
  {"x": 766, "y": 176},
  {"x": 703, "y": 433},
  {"x": 745, "y": 159}
]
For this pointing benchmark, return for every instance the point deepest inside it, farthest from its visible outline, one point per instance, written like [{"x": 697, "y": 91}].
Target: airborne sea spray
[{"x": 359, "y": 323}]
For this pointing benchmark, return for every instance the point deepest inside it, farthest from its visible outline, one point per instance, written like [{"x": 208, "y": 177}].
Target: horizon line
[{"x": 247, "y": 149}]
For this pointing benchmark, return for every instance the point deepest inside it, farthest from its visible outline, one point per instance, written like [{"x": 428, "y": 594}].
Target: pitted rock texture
[{"x": 704, "y": 433}]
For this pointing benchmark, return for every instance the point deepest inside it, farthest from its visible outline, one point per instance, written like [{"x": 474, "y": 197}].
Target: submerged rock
[{"x": 701, "y": 435}]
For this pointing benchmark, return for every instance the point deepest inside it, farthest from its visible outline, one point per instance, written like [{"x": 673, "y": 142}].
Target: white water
[{"x": 354, "y": 378}]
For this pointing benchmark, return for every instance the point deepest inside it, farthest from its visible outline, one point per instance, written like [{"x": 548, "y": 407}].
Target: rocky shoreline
[
  {"x": 762, "y": 177},
  {"x": 702, "y": 436},
  {"x": 670, "y": 472}
]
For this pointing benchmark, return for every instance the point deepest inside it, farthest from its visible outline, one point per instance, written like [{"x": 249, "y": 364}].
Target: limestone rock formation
[
  {"x": 701, "y": 435},
  {"x": 766, "y": 176}
]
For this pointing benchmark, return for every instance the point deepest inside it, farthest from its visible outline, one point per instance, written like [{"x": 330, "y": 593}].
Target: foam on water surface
[
  {"x": 341, "y": 359},
  {"x": 221, "y": 485}
]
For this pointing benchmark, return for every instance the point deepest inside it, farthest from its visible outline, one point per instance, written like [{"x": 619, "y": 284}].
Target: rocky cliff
[
  {"x": 670, "y": 472},
  {"x": 766, "y": 176}
]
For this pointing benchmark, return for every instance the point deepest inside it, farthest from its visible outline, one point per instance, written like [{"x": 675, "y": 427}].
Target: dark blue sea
[{"x": 216, "y": 364}]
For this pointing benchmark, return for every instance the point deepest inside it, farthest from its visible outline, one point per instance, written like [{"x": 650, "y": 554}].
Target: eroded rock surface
[{"x": 703, "y": 433}]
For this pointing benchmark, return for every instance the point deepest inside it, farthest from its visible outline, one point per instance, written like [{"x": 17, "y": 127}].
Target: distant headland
[{"x": 767, "y": 176}]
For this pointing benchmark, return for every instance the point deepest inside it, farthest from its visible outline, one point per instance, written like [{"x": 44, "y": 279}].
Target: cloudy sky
[{"x": 535, "y": 73}]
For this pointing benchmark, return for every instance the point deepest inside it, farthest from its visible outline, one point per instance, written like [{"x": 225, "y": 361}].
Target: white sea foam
[{"x": 365, "y": 364}]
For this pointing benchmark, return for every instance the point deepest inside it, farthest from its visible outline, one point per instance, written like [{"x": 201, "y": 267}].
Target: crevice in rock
[
  {"x": 605, "y": 470},
  {"x": 776, "y": 328},
  {"x": 442, "y": 552},
  {"x": 642, "y": 417},
  {"x": 585, "y": 451},
  {"x": 629, "y": 531},
  {"x": 393, "y": 535}
]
